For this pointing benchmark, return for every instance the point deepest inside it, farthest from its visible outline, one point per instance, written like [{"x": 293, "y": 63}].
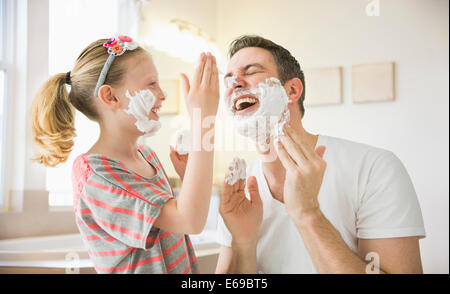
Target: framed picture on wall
[
  {"x": 172, "y": 103},
  {"x": 373, "y": 82},
  {"x": 323, "y": 86}
]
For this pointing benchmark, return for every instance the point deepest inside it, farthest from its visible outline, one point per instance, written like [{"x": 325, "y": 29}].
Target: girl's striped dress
[{"x": 115, "y": 210}]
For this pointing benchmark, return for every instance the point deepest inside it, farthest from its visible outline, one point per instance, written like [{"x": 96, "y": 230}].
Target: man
[{"x": 323, "y": 205}]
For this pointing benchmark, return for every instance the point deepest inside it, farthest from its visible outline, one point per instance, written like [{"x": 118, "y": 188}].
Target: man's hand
[
  {"x": 242, "y": 217},
  {"x": 179, "y": 162},
  {"x": 305, "y": 168}
]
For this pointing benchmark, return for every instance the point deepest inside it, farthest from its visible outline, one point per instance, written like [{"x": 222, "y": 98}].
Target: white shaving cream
[
  {"x": 230, "y": 81},
  {"x": 268, "y": 119},
  {"x": 237, "y": 170},
  {"x": 139, "y": 107},
  {"x": 182, "y": 141}
]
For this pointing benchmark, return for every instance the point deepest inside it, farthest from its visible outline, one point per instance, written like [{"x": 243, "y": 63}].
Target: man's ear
[
  {"x": 294, "y": 89},
  {"x": 107, "y": 97}
]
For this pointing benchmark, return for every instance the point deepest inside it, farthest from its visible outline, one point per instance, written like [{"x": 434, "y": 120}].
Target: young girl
[{"x": 123, "y": 203}]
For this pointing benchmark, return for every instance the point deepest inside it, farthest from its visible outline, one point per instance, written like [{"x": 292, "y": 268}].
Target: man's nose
[{"x": 237, "y": 81}]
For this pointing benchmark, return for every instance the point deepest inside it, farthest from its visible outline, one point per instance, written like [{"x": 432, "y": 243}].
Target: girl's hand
[
  {"x": 203, "y": 93},
  {"x": 179, "y": 162}
]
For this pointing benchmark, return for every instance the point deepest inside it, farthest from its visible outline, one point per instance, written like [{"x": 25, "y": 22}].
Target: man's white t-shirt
[{"x": 366, "y": 193}]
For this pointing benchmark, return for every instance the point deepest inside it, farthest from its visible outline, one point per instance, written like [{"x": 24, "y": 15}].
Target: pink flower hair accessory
[
  {"x": 125, "y": 39},
  {"x": 115, "y": 46},
  {"x": 118, "y": 46},
  {"x": 111, "y": 42}
]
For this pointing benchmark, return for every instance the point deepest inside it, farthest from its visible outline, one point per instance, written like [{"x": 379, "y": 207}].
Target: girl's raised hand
[{"x": 203, "y": 93}]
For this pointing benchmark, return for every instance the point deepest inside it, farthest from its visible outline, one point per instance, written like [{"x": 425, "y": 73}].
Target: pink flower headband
[{"x": 116, "y": 47}]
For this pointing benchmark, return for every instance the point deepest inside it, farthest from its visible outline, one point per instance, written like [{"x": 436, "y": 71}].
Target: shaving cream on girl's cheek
[
  {"x": 237, "y": 170},
  {"x": 139, "y": 107},
  {"x": 268, "y": 119}
]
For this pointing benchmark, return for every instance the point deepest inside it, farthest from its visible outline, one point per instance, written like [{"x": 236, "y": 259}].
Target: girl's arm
[{"x": 189, "y": 212}]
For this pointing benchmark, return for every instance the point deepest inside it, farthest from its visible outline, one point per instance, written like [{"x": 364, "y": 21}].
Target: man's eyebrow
[
  {"x": 228, "y": 75},
  {"x": 245, "y": 68}
]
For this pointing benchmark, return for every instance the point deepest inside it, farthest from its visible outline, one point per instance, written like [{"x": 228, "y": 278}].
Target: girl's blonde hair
[{"x": 53, "y": 109}]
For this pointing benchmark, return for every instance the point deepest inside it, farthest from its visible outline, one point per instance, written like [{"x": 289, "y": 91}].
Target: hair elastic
[
  {"x": 116, "y": 47},
  {"x": 68, "y": 81}
]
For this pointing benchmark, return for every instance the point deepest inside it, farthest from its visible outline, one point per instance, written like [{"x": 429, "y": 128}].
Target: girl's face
[{"x": 141, "y": 96}]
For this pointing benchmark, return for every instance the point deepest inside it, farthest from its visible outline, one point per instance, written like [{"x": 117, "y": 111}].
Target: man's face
[
  {"x": 246, "y": 69},
  {"x": 255, "y": 98}
]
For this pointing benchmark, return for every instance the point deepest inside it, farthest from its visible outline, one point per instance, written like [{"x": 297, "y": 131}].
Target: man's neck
[{"x": 274, "y": 173}]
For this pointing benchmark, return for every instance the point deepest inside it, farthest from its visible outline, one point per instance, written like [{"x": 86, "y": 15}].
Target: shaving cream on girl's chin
[{"x": 139, "y": 107}]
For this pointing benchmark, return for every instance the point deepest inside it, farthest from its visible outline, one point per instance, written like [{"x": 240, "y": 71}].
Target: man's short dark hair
[{"x": 287, "y": 66}]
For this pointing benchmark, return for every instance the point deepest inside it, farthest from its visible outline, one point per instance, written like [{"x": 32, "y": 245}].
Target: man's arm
[
  {"x": 328, "y": 251},
  {"x": 237, "y": 260},
  {"x": 224, "y": 261},
  {"x": 396, "y": 255},
  {"x": 330, "y": 254},
  {"x": 242, "y": 217},
  {"x": 305, "y": 168}
]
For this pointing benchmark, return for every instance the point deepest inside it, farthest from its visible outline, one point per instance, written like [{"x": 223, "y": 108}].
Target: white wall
[
  {"x": 30, "y": 73},
  {"x": 413, "y": 34},
  {"x": 28, "y": 213}
]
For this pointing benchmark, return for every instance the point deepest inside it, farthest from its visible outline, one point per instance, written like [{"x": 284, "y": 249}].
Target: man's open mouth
[{"x": 245, "y": 104}]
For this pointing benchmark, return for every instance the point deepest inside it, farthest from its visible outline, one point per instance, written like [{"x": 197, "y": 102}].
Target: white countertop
[{"x": 52, "y": 251}]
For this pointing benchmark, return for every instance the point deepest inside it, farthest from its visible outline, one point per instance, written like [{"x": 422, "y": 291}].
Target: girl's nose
[{"x": 161, "y": 94}]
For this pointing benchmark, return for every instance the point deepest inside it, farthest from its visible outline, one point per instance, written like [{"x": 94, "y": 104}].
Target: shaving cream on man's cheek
[
  {"x": 268, "y": 119},
  {"x": 139, "y": 107},
  {"x": 230, "y": 81}
]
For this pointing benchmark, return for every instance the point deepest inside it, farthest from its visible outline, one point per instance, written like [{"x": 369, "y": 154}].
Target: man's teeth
[
  {"x": 155, "y": 110},
  {"x": 240, "y": 102}
]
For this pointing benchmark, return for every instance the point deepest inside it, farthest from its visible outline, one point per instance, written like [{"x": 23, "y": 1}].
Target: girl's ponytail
[
  {"x": 53, "y": 122},
  {"x": 53, "y": 112}
]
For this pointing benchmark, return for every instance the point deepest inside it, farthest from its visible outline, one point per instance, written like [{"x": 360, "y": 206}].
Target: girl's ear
[
  {"x": 294, "y": 89},
  {"x": 107, "y": 97}
]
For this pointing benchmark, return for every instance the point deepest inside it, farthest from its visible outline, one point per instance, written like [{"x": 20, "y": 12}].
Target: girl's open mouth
[{"x": 154, "y": 111}]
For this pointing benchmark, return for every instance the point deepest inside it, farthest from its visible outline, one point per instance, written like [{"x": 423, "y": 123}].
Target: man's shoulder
[{"x": 345, "y": 149}]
